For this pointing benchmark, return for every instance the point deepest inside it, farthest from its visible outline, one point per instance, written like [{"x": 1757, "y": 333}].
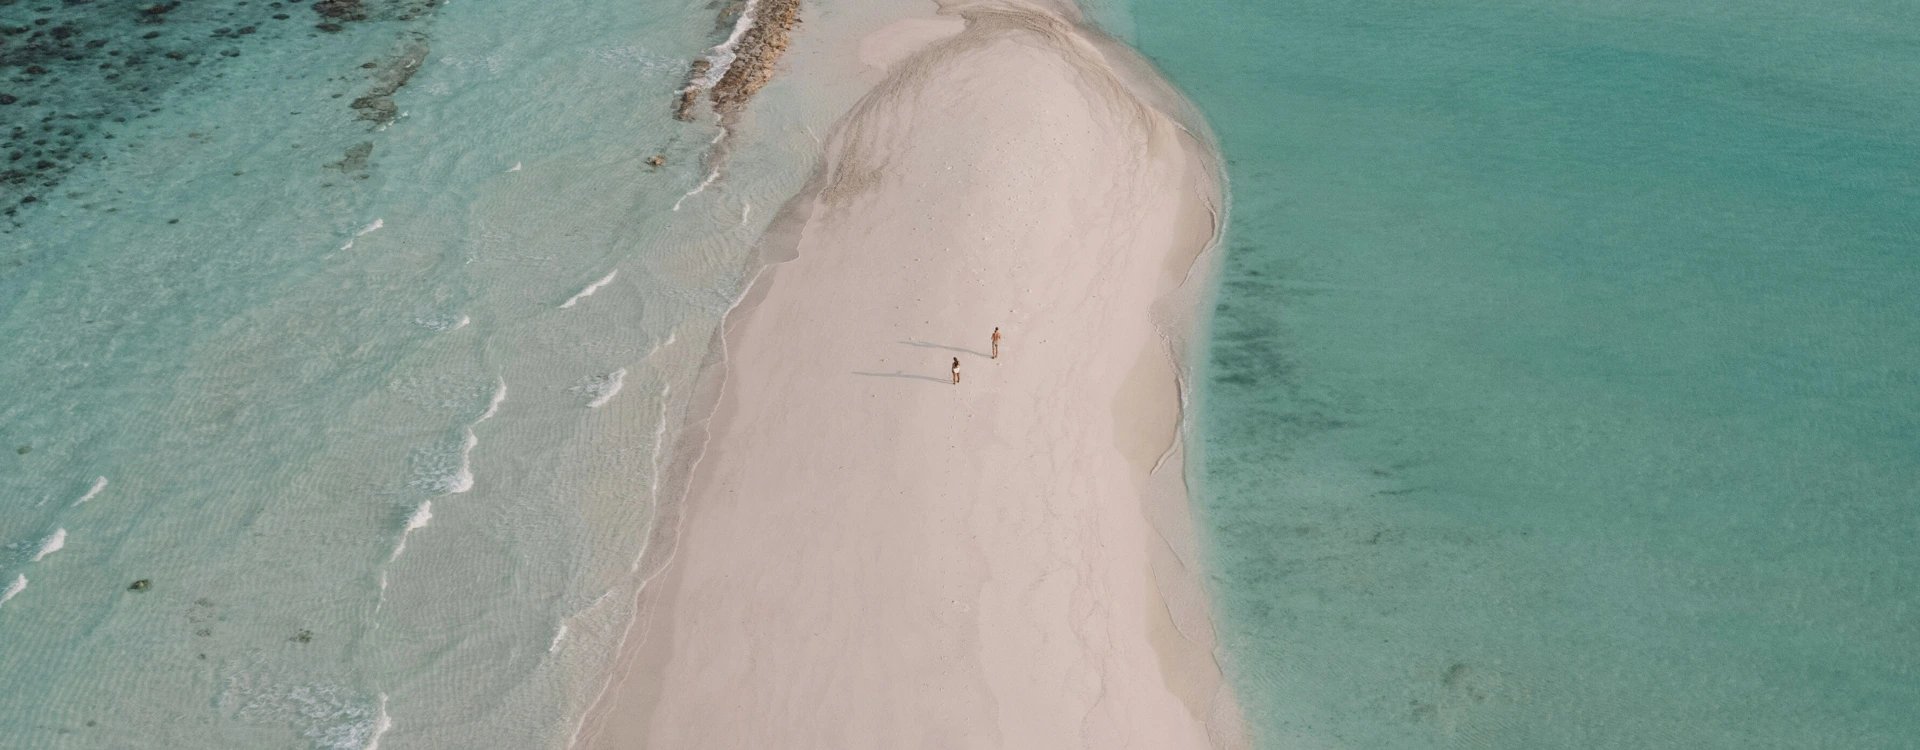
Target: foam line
[
  {"x": 418, "y": 520},
  {"x": 614, "y": 382},
  {"x": 51, "y": 544},
  {"x": 721, "y": 56},
  {"x": 98, "y": 485},
  {"x": 463, "y": 479},
  {"x": 493, "y": 405},
  {"x": 653, "y": 481},
  {"x": 381, "y": 723},
  {"x": 591, "y": 288},
  {"x": 698, "y": 189},
  {"x": 13, "y": 589},
  {"x": 377, "y": 223}
]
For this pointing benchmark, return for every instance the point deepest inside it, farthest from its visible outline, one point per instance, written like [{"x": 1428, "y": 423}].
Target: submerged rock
[
  {"x": 341, "y": 10},
  {"x": 390, "y": 76},
  {"x": 355, "y": 160},
  {"x": 379, "y": 109}
]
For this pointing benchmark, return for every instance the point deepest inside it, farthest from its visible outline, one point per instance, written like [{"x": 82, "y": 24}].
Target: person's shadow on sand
[
  {"x": 931, "y": 345},
  {"x": 906, "y": 375}
]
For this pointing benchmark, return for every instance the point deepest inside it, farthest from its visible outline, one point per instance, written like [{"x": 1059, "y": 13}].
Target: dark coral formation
[
  {"x": 389, "y": 76},
  {"x": 341, "y": 10},
  {"x": 354, "y": 162},
  {"x": 336, "y": 14},
  {"x": 77, "y": 76}
]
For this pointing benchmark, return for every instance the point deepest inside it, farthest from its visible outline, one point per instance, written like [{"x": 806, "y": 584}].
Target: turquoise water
[
  {"x": 1561, "y": 391},
  {"x": 1564, "y": 384},
  {"x": 333, "y": 384}
]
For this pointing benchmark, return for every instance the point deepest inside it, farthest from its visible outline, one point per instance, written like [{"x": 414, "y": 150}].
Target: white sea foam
[
  {"x": 712, "y": 177},
  {"x": 605, "y": 387},
  {"x": 442, "y": 323},
  {"x": 13, "y": 589},
  {"x": 591, "y": 288},
  {"x": 462, "y": 479},
  {"x": 722, "y": 55},
  {"x": 671, "y": 335},
  {"x": 98, "y": 485},
  {"x": 381, "y": 723},
  {"x": 447, "y": 471},
  {"x": 328, "y": 716},
  {"x": 493, "y": 405},
  {"x": 377, "y": 223},
  {"x": 653, "y": 481},
  {"x": 418, "y": 520},
  {"x": 446, "y": 475},
  {"x": 51, "y": 544}
]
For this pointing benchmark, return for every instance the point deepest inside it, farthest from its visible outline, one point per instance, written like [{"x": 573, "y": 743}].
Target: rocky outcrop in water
[
  {"x": 755, "y": 57},
  {"x": 690, "y": 94},
  {"x": 760, "y": 50}
]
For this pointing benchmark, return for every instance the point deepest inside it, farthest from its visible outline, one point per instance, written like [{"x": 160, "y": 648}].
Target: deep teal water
[{"x": 1564, "y": 381}]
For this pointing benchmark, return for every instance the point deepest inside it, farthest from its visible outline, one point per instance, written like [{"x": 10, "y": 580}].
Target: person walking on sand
[
  {"x": 996, "y": 342},
  {"x": 956, "y": 370}
]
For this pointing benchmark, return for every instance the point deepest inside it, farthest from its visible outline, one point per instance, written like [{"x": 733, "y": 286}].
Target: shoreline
[{"x": 663, "y": 688}]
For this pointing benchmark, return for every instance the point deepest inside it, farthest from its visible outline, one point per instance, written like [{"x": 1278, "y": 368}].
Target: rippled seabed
[
  {"x": 1562, "y": 383},
  {"x": 357, "y": 333}
]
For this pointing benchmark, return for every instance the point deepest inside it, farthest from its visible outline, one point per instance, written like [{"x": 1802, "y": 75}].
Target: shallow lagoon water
[
  {"x": 1560, "y": 391},
  {"x": 1561, "y": 388},
  {"x": 374, "y": 405}
]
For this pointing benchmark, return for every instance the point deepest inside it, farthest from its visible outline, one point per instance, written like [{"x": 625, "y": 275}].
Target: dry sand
[{"x": 871, "y": 557}]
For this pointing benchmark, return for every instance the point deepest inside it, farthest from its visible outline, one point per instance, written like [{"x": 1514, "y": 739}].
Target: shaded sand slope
[{"x": 871, "y": 557}]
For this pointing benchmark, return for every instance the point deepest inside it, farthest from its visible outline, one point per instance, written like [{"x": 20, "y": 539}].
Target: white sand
[{"x": 871, "y": 557}]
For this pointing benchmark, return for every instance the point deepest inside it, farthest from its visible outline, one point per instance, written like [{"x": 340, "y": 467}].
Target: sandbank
[{"x": 868, "y": 556}]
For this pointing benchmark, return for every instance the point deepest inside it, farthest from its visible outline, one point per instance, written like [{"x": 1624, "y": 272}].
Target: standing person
[
  {"x": 996, "y": 342},
  {"x": 956, "y": 370}
]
